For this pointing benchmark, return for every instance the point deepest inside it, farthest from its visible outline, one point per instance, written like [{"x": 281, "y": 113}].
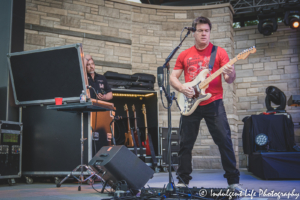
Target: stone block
[
  {"x": 122, "y": 51},
  {"x": 270, "y": 65},
  {"x": 252, "y": 90},
  {"x": 106, "y": 51},
  {"x": 241, "y": 92},
  {"x": 91, "y": 42},
  {"x": 291, "y": 69},
  {"x": 240, "y": 37},
  {"x": 244, "y": 32},
  {"x": 148, "y": 11},
  {"x": 122, "y": 6},
  {"x": 32, "y": 18},
  {"x": 256, "y": 36},
  {"x": 262, "y": 78},
  {"x": 287, "y": 51},
  {"x": 295, "y": 59},
  {"x": 70, "y": 21},
  {"x": 47, "y": 23},
  {"x": 250, "y": 98},
  {"x": 54, "y": 41},
  {"x": 146, "y": 58},
  {"x": 96, "y": 2},
  {"x": 52, "y": 10},
  {"x": 75, "y": 7},
  {"x": 193, "y": 14},
  {"x": 245, "y": 44},
  {"x": 180, "y": 15},
  {"x": 247, "y": 66},
  {"x": 109, "y": 12},
  {"x": 111, "y": 58},
  {"x": 257, "y": 106},
  {"x": 285, "y": 76},
  {"x": 258, "y": 65},
  {"x": 119, "y": 24},
  {"x": 201, "y": 164},
  {"x": 243, "y": 106},
  {"x": 243, "y": 85},
  {"x": 266, "y": 40},
  {"x": 91, "y": 17},
  {"x": 158, "y": 18},
  {"x": 138, "y": 17},
  {"x": 218, "y": 11},
  {"x": 224, "y": 28},
  {"x": 110, "y": 31},
  {"x": 36, "y": 39},
  {"x": 249, "y": 79},
  {"x": 125, "y": 16},
  {"x": 273, "y": 51},
  {"x": 244, "y": 73},
  {"x": 262, "y": 73},
  {"x": 166, "y": 26},
  {"x": 149, "y": 40},
  {"x": 278, "y": 71}
]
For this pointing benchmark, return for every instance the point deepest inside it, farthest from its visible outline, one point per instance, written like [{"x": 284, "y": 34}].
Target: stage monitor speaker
[{"x": 118, "y": 164}]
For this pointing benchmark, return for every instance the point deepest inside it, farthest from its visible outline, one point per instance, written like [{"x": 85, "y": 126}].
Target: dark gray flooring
[{"x": 201, "y": 178}]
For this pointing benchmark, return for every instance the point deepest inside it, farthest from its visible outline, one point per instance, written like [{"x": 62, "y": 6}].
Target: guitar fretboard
[{"x": 217, "y": 73}]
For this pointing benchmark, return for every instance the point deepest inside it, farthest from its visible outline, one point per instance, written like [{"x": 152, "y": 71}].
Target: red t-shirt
[{"x": 193, "y": 61}]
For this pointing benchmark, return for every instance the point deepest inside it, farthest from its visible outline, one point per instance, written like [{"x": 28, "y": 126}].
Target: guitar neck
[
  {"x": 146, "y": 126},
  {"x": 128, "y": 122},
  {"x": 217, "y": 73},
  {"x": 135, "y": 121}
]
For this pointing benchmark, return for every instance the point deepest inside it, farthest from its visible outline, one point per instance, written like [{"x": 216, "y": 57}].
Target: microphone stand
[{"x": 170, "y": 97}]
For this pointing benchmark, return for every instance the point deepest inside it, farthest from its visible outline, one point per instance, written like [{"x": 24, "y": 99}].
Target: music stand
[{"x": 81, "y": 108}]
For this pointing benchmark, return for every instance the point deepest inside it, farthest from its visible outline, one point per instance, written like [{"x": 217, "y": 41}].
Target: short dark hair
[{"x": 201, "y": 20}]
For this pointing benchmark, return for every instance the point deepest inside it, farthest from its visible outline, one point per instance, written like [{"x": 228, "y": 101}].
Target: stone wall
[
  {"x": 276, "y": 63},
  {"x": 129, "y": 38}
]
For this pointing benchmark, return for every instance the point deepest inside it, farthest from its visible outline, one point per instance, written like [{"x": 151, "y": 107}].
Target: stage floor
[{"x": 201, "y": 178}]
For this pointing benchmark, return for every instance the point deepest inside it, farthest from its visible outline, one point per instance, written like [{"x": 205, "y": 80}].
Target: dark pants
[{"x": 217, "y": 123}]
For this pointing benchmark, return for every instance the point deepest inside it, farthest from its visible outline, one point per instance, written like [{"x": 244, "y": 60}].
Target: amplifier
[
  {"x": 117, "y": 164},
  {"x": 10, "y": 149}
]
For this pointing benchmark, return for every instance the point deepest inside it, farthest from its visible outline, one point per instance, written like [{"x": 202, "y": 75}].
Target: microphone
[
  {"x": 88, "y": 87},
  {"x": 193, "y": 29},
  {"x": 160, "y": 77}
]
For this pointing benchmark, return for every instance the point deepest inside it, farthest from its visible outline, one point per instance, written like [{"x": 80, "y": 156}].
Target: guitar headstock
[
  {"x": 133, "y": 108},
  {"x": 144, "y": 109},
  {"x": 244, "y": 54},
  {"x": 125, "y": 107}
]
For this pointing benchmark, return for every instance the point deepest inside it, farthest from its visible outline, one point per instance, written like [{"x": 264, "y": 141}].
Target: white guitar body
[{"x": 188, "y": 105}]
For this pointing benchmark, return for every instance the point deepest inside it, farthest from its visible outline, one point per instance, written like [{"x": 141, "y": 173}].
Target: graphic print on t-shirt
[{"x": 195, "y": 65}]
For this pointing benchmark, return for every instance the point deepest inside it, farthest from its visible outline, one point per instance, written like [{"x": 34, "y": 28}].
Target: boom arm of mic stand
[{"x": 166, "y": 65}]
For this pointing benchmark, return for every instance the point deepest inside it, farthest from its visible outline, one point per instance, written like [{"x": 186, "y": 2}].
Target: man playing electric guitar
[{"x": 192, "y": 61}]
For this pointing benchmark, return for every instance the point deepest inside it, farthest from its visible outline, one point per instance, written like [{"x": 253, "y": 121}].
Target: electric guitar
[
  {"x": 146, "y": 142},
  {"x": 128, "y": 136},
  {"x": 135, "y": 127},
  {"x": 200, "y": 84}
]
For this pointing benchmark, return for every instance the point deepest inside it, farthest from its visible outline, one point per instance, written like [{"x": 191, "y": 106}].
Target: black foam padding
[{"x": 46, "y": 75}]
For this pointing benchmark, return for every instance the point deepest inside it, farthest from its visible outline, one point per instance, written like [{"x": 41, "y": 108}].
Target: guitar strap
[
  {"x": 154, "y": 161},
  {"x": 212, "y": 57}
]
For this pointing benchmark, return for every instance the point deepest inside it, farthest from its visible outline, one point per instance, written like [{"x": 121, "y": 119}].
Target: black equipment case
[
  {"x": 10, "y": 149},
  {"x": 137, "y": 81}
]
